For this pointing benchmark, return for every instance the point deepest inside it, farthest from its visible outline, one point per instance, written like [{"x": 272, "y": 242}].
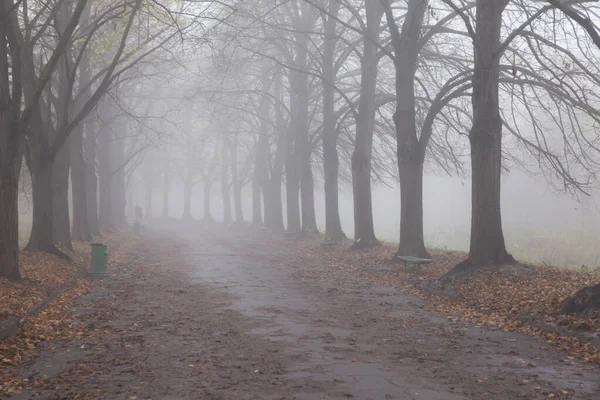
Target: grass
[{"x": 557, "y": 248}]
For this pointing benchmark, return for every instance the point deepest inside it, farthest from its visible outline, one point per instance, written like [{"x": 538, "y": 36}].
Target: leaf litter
[{"x": 45, "y": 274}]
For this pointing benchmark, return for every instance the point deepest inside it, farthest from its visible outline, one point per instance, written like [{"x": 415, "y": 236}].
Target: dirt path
[{"x": 226, "y": 317}]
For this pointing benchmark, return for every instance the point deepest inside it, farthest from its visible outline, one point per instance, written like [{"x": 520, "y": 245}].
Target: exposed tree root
[
  {"x": 362, "y": 244},
  {"x": 51, "y": 249},
  {"x": 467, "y": 270},
  {"x": 308, "y": 232},
  {"x": 60, "y": 254},
  {"x": 585, "y": 303},
  {"x": 336, "y": 236}
]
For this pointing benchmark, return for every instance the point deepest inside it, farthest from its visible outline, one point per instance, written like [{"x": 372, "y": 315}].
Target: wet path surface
[
  {"x": 195, "y": 314},
  {"x": 375, "y": 342}
]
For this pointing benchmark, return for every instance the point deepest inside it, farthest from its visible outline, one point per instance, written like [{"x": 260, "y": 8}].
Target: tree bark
[
  {"x": 187, "y": 200},
  {"x": 9, "y": 214},
  {"x": 225, "y": 181},
  {"x": 81, "y": 226},
  {"x": 333, "y": 225},
  {"x": 207, "y": 211},
  {"x": 257, "y": 218},
  {"x": 364, "y": 231},
  {"x": 411, "y": 199},
  {"x": 292, "y": 166},
  {"x": 130, "y": 190},
  {"x": 42, "y": 230},
  {"x": 487, "y": 238},
  {"x": 292, "y": 186},
  {"x": 82, "y": 169},
  {"x": 165, "y": 203},
  {"x": 272, "y": 188},
  {"x": 62, "y": 161},
  {"x": 60, "y": 191},
  {"x": 11, "y": 155},
  {"x": 261, "y": 155},
  {"x": 118, "y": 198},
  {"x": 300, "y": 124},
  {"x": 148, "y": 201},
  {"x": 410, "y": 150},
  {"x": 237, "y": 184},
  {"x": 41, "y": 169},
  {"x": 105, "y": 179},
  {"x": 91, "y": 182}
]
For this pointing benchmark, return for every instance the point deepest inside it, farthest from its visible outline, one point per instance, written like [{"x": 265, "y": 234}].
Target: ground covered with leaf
[
  {"x": 41, "y": 303},
  {"x": 526, "y": 299},
  {"x": 227, "y": 312}
]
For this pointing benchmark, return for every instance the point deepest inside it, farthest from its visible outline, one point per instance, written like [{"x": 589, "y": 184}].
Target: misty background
[{"x": 541, "y": 224}]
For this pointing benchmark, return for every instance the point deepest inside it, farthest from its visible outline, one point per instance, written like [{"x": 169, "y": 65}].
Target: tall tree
[
  {"x": 225, "y": 193},
  {"x": 11, "y": 144},
  {"x": 19, "y": 82},
  {"x": 364, "y": 230},
  {"x": 333, "y": 225},
  {"x": 487, "y": 238},
  {"x": 410, "y": 151}
]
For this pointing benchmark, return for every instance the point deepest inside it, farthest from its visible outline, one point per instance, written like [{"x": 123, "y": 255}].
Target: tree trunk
[
  {"x": 207, "y": 212},
  {"x": 411, "y": 215},
  {"x": 225, "y": 181},
  {"x": 333, "y": 225},
  {"x": 9, "y": 215},
  {"x": 60, "y": 191},
  {"x": 237, "y": 184},
  {"x": 364, "y": 231},
  {"x": 300, "y": 124},
  {"x": 11, "y": 156},
  {"x": 487, "y": 239},
  {"x": 62, "y": 161},
  {"x": 292, "y": 169},
  {"x": 307, "y": 193},
  {"x": 41, "y": 238},
  {"x": 410, "y": 151},
  {"x": 81, "y": 226},
  {"x": 85, "y": 220},
  {"x": 148, "y": 200},
  {"x": 187, "y": 200},
  {"x": 131, "y": 206},
  {"x": 261, "y": 158},
  {"x": 118, "y": 198},
  {"x": 292, "y": 187},
  {"x": 272, "y": 188},
  {"x": 105, "y": 204},
  {"x": 257, "y": 218},
  {"x": 165, "y": 204},
  {"x": 41, "y": 169},
  {"x": 105, "y": 179},
  {"x": 91, "y": 182}
]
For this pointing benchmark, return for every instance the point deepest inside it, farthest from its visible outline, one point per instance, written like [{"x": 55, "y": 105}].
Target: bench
[{"x": 413, "y": 260}]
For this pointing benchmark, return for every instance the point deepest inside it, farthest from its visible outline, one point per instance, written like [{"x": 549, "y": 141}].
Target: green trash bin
[{"x": 99, "y": 256}]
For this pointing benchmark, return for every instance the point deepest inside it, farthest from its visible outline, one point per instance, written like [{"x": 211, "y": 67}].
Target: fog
[
  {"x": 304, "y": 115},
  {"x": 539, "y": 221}
]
